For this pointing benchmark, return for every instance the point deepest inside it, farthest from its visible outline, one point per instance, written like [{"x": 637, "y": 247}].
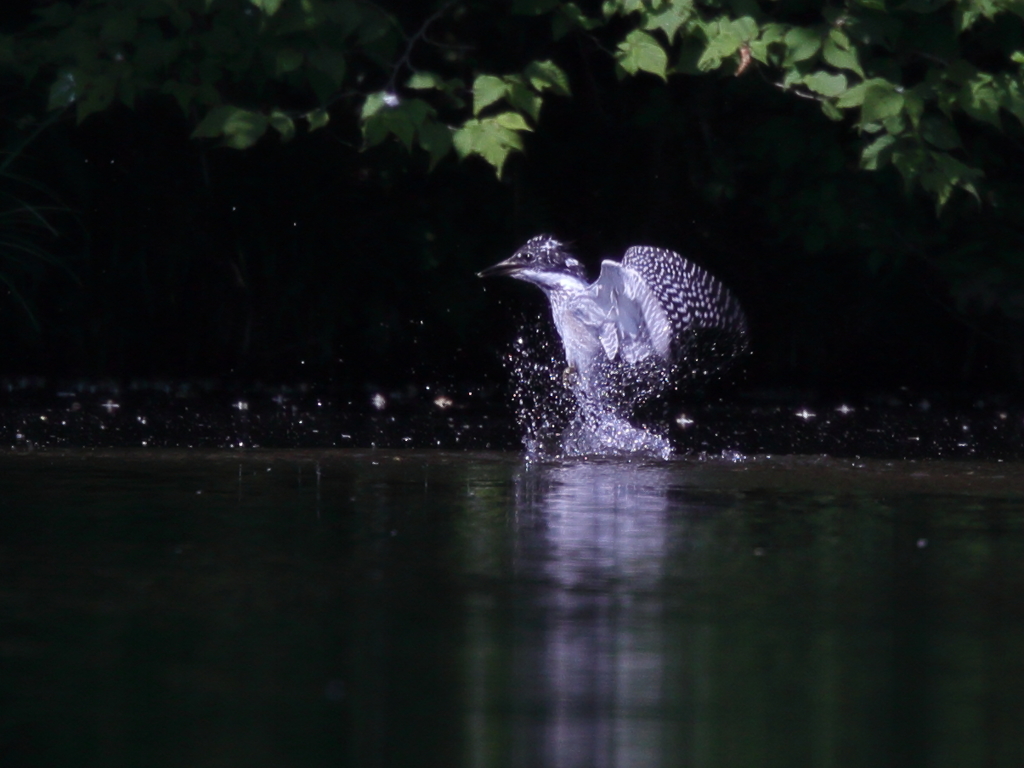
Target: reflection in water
[
  {"x": 656, "y": 621},
  {"x": 436, "y": 609},
  {"x": 592, "y": 526},
  {"x": 588, "y": 662}
]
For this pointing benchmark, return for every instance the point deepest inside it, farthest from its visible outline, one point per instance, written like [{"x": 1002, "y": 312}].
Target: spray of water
[{"x": 561, "y": 416}]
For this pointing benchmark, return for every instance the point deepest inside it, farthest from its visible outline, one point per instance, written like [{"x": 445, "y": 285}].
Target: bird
[{"x": 654, "y": 310}]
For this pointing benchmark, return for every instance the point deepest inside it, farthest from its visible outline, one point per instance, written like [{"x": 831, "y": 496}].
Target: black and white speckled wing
[{"x": 708, "y": 324}]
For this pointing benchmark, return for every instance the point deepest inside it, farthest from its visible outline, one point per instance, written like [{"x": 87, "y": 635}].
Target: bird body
[
  {"x": 640, "y": 321},
  {"x": 652, "y": 304}
]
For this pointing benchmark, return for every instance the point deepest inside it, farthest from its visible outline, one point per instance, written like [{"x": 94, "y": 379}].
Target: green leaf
[
  {"x": 723, "y": 41},
  {"x": 669, "y": 18},
  {"x": 421, "y": 81},
  {"x": 946, "y": 174},
  {"x": 624, "y": 7},
  {"x": 569, "y": 17},
  {"x": 826, "y": 83},
  {"x": 772, "y": 33},
  {"x": 544, "y": 75},
  {"x": 895, "y": 124},
  {"x": 487, "y": 89},
  {"x": 269, "y": 7},
  {"x": 760, "y": 49},
  {"x": 243, "y": 128},
  {"x": 374, "y": 103},
  {"x": 914, "y": 101},
  {"x": 1013, "y": 100},
  {"x": 877, "y": 154},
  {"x": 979, "y": 99},
  {"x": 417, "y": 110},
  {"x": 436, "y": 139},
  {"x": 881, "y": 100},
  {"x": 745, "y": 28},
  {"x": 965, "y": 14},
  {"x": 318, "y": 118},
  {"x": 839, "y": 39},
  {"x": 239, "y": 127},
  {"x": 513, "y": 121},
  {"x": 487, "y": 139},
  {"x": 841, "y": 58},
  {"x": 641, "y": 52},
  {"x": 375, "y": 130},
  {"x": 283, "y": 124},
  {"x": 97, "y": 94},
  {"x": 831, "y": 111},
  {"x": 400, "y": 125},
  {"x": 212, "y": 125},
  {"x": 523, "y": 99},
  {"x": 802, "y": 43},
  {"x": 402, "y": 121},
  {"x": 853, "y": 97}
]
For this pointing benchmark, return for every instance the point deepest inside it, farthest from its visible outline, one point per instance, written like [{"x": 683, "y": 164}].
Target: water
[
  {"x": 562, "y": 414},
  {"x": 374, "y": 608}
]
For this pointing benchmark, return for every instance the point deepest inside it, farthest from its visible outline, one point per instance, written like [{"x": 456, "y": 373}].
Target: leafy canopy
[{"x": 906, "y": 77}]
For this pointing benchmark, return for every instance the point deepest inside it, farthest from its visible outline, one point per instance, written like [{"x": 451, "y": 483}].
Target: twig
[
  {"x": 801, "y": 94},
  {"x": 420, "y": 34}
]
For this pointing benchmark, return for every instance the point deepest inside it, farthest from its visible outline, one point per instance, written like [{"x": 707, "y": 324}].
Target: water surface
[{"x": 466, "y": 609}]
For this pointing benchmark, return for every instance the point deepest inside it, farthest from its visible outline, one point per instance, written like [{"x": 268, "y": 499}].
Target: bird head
[{"x": 543, "y": 261}]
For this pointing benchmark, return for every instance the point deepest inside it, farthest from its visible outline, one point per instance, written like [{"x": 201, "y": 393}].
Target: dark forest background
[{"x": 130, "y": 250}]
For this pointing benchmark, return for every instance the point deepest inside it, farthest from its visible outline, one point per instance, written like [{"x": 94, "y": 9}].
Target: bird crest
[{"x": 543, "y": 244}]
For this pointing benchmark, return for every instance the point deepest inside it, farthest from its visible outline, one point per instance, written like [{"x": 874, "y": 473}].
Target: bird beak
[{"x": 501, "y": 269}]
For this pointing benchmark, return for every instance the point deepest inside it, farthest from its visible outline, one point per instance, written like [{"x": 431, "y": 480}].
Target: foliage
[
  {"x": 23, "y": 223},
  {"x": 774, "y": 103},
  {"x": 908, "y": 78}
]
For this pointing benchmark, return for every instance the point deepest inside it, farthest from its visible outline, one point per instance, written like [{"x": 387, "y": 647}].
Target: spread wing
[
  {"x": 631, "y": 323},
  {"x": 657, "y": 306},
  {"x": 707, "y": 325}
]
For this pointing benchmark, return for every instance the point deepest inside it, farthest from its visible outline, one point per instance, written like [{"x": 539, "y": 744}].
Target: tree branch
[{"x": 420, "y": 34}]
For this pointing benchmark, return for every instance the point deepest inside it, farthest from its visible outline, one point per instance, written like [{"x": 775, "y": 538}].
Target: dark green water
[{"x": 431, "y": 609}]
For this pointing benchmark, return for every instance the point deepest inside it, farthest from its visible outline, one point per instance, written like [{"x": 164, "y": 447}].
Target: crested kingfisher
[{"x": 652, "y": 308}]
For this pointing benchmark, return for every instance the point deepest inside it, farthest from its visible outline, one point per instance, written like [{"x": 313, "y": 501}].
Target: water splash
[
  {"x": 561, "y": 416},
  {"x": 544, "y": 407}
]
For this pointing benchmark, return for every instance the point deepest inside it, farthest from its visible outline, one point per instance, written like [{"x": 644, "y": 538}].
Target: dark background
[{"x": 314, "y": 261}]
